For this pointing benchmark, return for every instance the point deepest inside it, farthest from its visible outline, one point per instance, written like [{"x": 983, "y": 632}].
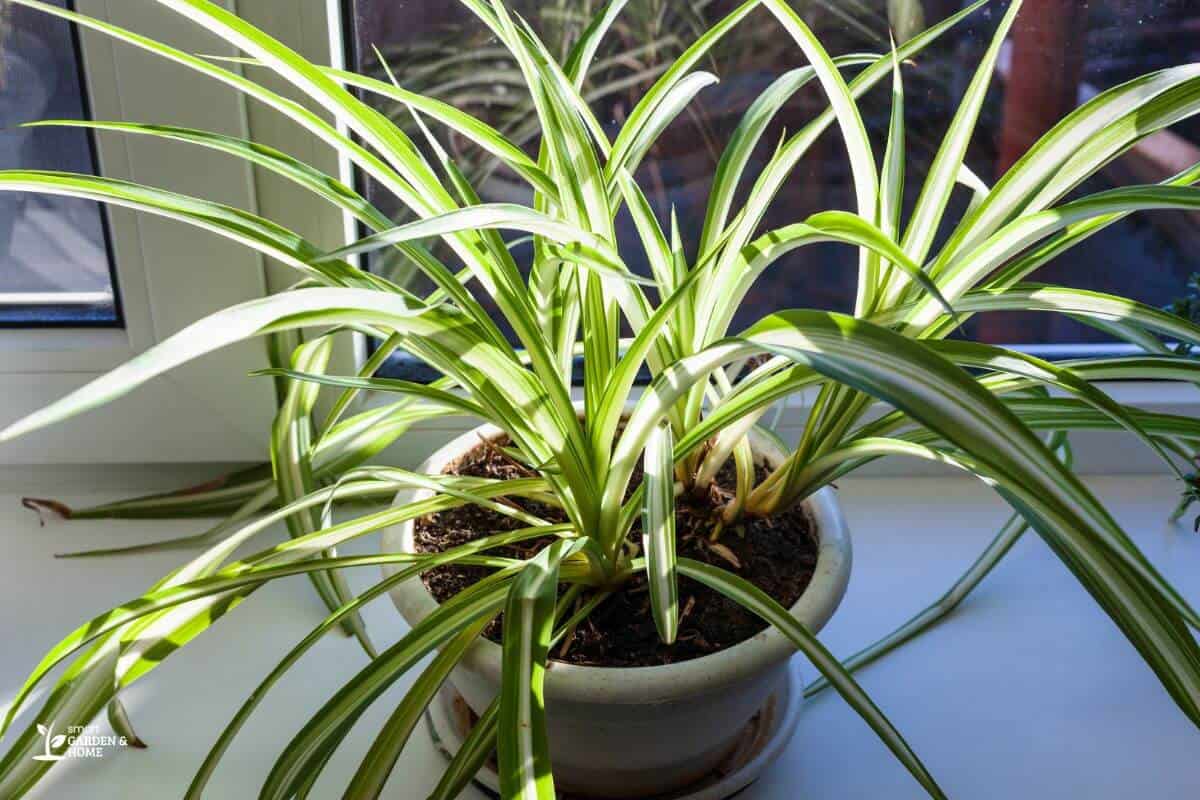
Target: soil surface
[{"x": 776, "y": 553}]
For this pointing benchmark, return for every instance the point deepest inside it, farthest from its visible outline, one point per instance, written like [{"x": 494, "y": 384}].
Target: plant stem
[{"x": 930, "y": 616}]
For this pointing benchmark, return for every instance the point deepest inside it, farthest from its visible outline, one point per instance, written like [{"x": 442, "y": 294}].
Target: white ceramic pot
[{"x": 635, "y": 732}]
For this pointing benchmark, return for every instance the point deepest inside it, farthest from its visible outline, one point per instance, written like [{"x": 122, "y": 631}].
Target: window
[
  {"x": 1060, "y": 53},
  {"x": 53, "y": 250},
  {"x": 76, "y": 301},
  {"x": 162, "y": 275}
]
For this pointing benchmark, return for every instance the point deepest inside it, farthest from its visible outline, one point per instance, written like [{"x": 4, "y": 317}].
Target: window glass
[
  {"x": 54, "y": 262},
  {"x": 1060, "y": 53}
]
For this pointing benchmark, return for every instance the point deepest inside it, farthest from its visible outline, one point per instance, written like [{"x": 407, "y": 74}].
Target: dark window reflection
[
  {"x": 1060, "y": 53},
  {"x": 54, "y": 262}
]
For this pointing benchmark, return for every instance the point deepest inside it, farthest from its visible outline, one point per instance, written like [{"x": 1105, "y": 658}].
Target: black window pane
[{"x": 55, "y": 267}]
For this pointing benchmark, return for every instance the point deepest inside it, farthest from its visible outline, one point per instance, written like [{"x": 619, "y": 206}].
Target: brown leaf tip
[{"x": 42, "y": 507}]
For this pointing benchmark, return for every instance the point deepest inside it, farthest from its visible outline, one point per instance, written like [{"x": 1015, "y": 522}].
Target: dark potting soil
[{"x": 777, "y": 554}]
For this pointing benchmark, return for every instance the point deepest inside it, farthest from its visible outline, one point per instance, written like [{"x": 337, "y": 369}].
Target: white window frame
[{"x": 168, "y": 274}]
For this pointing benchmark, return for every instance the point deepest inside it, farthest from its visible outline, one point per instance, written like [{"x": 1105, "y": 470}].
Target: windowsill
[{"x": 1027, "y": 691}]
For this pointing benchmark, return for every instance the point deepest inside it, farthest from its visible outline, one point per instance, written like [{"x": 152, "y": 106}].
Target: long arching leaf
[{"x": 754, "y": 599}]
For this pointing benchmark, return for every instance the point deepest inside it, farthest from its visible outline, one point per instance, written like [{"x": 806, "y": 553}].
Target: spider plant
[{"x": 980, "y": 408}]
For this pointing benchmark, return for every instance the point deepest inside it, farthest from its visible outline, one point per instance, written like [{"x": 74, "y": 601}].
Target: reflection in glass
[{"x": 54, "y": 262}]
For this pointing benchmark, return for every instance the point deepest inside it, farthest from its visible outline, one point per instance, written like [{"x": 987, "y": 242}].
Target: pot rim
[{"x": 635, "y": 685}]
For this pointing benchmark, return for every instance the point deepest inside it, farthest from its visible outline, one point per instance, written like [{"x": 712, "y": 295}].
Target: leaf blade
[
  {"x": 658, "y": 532},
  {"x": 754, "y": 599}
]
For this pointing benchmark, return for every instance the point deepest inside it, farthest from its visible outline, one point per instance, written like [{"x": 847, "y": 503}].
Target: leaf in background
[{"x": 906, "y": 17}]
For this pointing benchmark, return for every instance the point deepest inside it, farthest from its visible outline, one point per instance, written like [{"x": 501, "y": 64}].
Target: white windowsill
[{"x": 1028, "y": 691}]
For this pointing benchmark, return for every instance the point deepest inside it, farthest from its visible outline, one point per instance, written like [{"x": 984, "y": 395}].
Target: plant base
[{"x": 764, "y": 738}]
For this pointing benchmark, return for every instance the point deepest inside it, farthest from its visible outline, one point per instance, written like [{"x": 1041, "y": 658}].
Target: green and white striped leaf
[
  {"x": 584, "y": 50},
  {"x": 291, "y": 448},
  {"x": 747, "y": 136},
  {"x": 854, "y": 133},
  {"x": 1134, "y": 100},
  {"x": 260, "y": 155},
  {"x": 215, "y": 586},
  {"x": 970, "y": 269},
  {"x": 225, "y": 221},
  {"x": 827, "y": 226},
  {"x": 655, "y": 97},
  {"x": 200, "y": 781},
  {"x": 307, "y": 119},
  {"x": 658, "y": 532},
  {"x": 390, "y": 385},
  {"x": 473, "y": 129},
  {"x": 490, "y": 216},
  {"x": 633, "y": 142},
  {"x": 947, "y": 164},
  {"x": 779, "y": 169},
  {"x": 754, "y": 599},
  {"x": 1003, "y": 542},
  {"x": 1011, "y": 362},
  {"x": 377, "y": 765},
  {"x": 523, "y": 753},
  {"x": 327, "y": 727},
  {"x": 1074, "y": 302}
]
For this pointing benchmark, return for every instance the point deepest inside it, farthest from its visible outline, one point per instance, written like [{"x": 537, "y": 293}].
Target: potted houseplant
[{"x": 631, "y": 509}]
